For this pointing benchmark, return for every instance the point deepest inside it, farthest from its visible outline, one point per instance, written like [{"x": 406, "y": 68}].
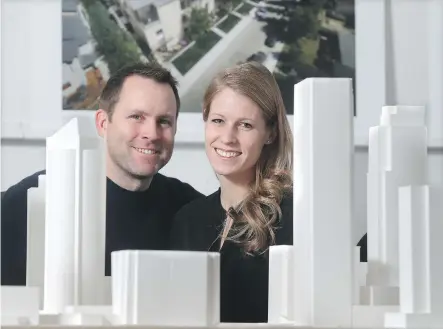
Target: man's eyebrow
[
  {"x": 166, "y": 116},
  {"x": 138, "y": 111}
]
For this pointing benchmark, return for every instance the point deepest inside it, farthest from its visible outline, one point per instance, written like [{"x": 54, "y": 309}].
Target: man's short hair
[{"x": 110, "y": 94}]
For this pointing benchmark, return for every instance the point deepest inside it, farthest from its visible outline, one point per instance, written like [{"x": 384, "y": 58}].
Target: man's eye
[
  {"x": 165, "y": 122},
  {"x": 136, "y": 116},
  {"x": 217, "y": 120}
]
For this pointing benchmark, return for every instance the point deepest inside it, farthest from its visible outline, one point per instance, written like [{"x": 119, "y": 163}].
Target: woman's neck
[{"x": 234, "y": 189}]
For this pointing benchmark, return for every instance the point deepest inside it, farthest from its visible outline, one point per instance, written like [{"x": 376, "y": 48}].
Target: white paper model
[
  {"x": 323, "y": 183},
  {"x": 397, "y": 157},
  {"x": 421, "y": 266},
  {"x": 166, "y": 288},
  {"x": 75, "y": 219},
  {"x": 35, "y": 246}
]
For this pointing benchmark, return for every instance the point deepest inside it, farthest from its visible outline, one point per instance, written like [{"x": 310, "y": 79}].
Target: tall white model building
[
  {"x": 397, "y": 157},
  {"x": 323, "y": 171},
  {"x": 75, "y": 221}
]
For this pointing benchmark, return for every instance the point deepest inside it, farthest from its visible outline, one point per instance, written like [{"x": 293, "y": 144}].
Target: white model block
[
  {"x": 59, "y": 230},
  {"x": 75, "y": 218},
  {"x": 93, "y": 228},
  {"x": 19, "y": 305},
  {"x": 403, "y": 116},
  {"x": 169, "y": 288},
  {"x": 117, "y": 281},
  {"x": 281, "y": 279},
  {"x": 379, "y": 295},
  {"x": 89, "y": 309},
  {"x": 323, "y": 172},
  {"x": 107, "y": 287},
  {"x": 397, "y": 156},
  {"x": 421, "y": 269},
  {"x": 370, "y": 316},
  {"x": 121, "y": 280},
  {"x": 75, "y": 319},
  {"x": 414, "y": 321},
  {"x": 92, "y": 314},
  {"x": 35, "y": 246},
  {"x": 359, "y": 275}
]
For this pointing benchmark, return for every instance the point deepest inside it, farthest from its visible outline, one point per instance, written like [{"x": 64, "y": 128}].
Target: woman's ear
[{"x": 271, "y": 136}]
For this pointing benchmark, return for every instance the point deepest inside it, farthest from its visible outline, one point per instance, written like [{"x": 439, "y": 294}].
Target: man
[{"x": 137, "y": 118}]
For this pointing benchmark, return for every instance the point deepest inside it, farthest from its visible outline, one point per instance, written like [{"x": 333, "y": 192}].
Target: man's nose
[{"x": 150, "y": 130}]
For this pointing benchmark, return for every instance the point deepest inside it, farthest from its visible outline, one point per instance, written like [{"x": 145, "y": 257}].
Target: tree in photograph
[
  {"x": 117, "y": 47},
  {"x": 199, "y": 23},
  {"x": 297, "y": 24},
  {"x": 292, "y": 22},
  {"x": 225, "y": 6},
  {"x": 289, "y": 58}
]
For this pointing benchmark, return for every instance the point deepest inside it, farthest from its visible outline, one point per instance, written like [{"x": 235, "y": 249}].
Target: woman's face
[{"x": 235, "y": 133}]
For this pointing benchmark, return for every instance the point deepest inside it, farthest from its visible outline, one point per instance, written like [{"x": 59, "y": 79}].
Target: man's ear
[{"x": 101, "y": 122}]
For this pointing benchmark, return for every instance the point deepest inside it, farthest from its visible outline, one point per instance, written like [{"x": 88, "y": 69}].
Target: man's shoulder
[
  {"x": 203, "y": 205},
  {"x": 191, "y": 223},
  {"x": 177, "y": 188},
  {"x": 22, "y": 186}
]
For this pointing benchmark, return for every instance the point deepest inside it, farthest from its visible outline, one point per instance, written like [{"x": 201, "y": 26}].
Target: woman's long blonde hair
[{"x": 255, "y": 218}]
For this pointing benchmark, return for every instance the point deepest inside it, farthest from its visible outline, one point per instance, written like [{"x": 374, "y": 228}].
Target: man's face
[{"x": 140, "y": 134}]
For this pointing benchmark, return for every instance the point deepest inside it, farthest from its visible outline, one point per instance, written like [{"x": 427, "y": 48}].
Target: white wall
[{"x": 31, "y": 98}]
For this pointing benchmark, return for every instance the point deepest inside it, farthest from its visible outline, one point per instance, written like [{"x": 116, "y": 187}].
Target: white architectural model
[
  {"x": 318, "y": 282},
  {"x": 323, "y": 172},
  {"x": 75, "y": 221}
]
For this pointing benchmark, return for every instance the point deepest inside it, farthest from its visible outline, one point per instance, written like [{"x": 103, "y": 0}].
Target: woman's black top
[{"x": 243, "y": 278}]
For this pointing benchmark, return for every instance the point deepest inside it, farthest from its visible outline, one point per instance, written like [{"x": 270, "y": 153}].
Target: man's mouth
[
  {"x": 146, "y": 151},
  {"x": 227, "y": 154}
]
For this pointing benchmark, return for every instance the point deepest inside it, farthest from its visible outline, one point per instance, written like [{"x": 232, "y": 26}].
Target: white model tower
[
  {"x": 35, "y": 246},
  {"x": 418, "y": 231},
  {"x": 397, "y": 157},
  {"x": 322, "y": 273},
  {"x": 75, "y": 222},
  {"x": 323, "y": 171}
]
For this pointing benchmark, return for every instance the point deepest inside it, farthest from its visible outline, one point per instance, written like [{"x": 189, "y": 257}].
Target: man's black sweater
[{"x": 134, "y": 220}]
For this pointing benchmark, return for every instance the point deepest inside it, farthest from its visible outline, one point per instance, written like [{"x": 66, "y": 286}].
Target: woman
[{"x": 248, "y": 142}]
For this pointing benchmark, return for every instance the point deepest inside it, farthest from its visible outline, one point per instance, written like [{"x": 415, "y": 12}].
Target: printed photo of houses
[{"x": 194, "y": 39}]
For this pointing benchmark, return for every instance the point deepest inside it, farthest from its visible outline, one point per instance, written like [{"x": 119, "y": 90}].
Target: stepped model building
[{"x": 318, "y": 282}]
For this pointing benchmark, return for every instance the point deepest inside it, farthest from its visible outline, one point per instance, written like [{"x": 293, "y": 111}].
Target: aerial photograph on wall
[{"x": 194, "y": 39}]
